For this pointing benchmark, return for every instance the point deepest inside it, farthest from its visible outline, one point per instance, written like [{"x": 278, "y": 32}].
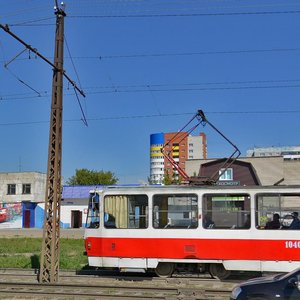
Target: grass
[{"x": 26, "y": 253}]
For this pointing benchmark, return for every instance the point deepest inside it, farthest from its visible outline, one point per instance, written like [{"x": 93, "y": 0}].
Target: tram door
[{"x": 76, "y": 219}]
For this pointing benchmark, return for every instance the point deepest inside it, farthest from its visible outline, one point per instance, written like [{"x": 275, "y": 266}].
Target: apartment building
[{"x": 177, "y": 147}]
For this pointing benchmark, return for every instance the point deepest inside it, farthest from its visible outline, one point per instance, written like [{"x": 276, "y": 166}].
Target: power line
[
  {"x": 167, "y": 88},
  {"x": 186, "y": 89},
  {"x": 288, "y": 112},
  {"x": 30, "y": 22},
  {"x": 188, "y": 53},
  {"x": 142, "y": 55},
  {"x": 75, "y": 70},
  {"x": 189, "y": 14},
  {"x": 194, "y": 84}
]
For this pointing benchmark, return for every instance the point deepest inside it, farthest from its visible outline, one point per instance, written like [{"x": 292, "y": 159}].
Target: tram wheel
[
  {"x": 164, "y": 269},
  {"x": 218, "y": 271}
]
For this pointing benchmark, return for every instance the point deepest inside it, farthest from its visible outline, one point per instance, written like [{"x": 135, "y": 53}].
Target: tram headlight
[
  {"x": 235, "y": 292},
  {"x": 89, "y": 245}
]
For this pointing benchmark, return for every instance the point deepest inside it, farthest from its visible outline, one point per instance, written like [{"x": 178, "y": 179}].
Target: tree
[
  {"x": 167, "y": 178},
  {"x": 91, "y": 177}
]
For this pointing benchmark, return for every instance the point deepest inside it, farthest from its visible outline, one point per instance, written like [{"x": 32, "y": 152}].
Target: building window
[
  {"x": 26, "y": 188},
  {"x": 226, "y": 174},
  {"x": 11, "y": 189}
]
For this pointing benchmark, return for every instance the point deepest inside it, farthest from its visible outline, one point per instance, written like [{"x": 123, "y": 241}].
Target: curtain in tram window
[{"x": 117, "y": 207}]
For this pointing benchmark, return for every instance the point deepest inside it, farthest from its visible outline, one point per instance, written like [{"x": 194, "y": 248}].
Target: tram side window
[
  {"x": 175, "y": 211},
  {"x": 274, "y": 210},
  {"x": 93, "y": 218},
  {"x": 126, "y": 211},
  {"x": 226, "y": 211}
]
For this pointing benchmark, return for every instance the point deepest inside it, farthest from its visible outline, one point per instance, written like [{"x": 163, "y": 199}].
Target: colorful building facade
[{"x": 179, "y": 146}]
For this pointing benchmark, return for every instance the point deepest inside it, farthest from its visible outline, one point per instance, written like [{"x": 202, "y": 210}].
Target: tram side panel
[
  {"x": 281, "y": 247},
  {"x": 175, "y": 231}
]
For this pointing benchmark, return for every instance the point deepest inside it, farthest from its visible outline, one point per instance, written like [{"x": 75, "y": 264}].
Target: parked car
[{"x": 282, "y": 286}]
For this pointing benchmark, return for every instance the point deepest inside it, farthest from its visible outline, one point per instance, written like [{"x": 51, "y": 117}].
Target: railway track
[
  {"x": 63, "y": 291},
  {"x": 23, "y": 284}
]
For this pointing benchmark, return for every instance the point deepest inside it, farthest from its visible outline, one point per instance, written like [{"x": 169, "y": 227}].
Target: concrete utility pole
[{"x": 49, "y": 267}]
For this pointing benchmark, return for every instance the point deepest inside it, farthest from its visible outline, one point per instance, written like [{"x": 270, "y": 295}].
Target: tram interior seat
[
  {"x": 94, "y": 224},
  {"x": 211, "y": 226}
]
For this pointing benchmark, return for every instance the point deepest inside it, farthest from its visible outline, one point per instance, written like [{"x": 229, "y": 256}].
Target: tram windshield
[{"x": 93, "y": 216}]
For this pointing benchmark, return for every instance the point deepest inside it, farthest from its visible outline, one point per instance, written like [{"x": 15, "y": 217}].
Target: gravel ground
[{"x": 38, "y": 233}]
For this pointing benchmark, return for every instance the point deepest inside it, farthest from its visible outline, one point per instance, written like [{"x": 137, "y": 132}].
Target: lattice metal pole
[{"x": 49, "y": 267}]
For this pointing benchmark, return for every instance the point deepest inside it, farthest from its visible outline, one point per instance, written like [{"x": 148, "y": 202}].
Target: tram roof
[{"x": 194, "y": 188}]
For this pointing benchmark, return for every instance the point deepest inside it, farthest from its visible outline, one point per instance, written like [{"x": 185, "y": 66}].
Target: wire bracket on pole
[{"x": 34, "y": 50}]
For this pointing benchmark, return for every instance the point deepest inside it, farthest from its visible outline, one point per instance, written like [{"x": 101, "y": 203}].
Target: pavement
[{"x": 73, "y": 233}]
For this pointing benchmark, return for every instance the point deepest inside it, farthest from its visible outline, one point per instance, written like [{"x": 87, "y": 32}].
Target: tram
[{"x": 215, "y": 229}]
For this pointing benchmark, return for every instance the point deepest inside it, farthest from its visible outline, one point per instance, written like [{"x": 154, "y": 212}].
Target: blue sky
[{"x": 147, "y": 67}]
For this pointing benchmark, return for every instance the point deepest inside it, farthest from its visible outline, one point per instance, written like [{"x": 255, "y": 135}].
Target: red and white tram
[{"x": 200, "y": 228}]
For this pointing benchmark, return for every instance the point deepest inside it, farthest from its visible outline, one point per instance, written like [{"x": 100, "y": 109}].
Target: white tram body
[{"x": 200, "y": 228}]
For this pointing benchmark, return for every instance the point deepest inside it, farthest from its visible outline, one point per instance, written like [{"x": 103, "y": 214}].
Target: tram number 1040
[{"x": 292, "y": 244}]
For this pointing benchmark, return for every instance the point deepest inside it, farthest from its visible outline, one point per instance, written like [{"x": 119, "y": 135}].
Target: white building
[
  {"x": 20, "y": 193},
  {"x": 287, "y": 152},
  {"x": 22, "y": 201}
]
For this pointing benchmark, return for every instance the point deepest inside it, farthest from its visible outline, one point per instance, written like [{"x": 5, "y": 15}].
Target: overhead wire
[
  {"x": 142, "y": 55},
  {"x": 165, "y": 87},
  {"x": 22, "y": 81},
  {"x": 189, "y": 14},
  {"x": 245, "y": 51},
  {"x": 30, "y": 22},
  {"x": 76, "y": 94},
  {"x": 159, "y": 116},
  {"x": 152, "y": 6},
  {"x": 118, "y": 90}
]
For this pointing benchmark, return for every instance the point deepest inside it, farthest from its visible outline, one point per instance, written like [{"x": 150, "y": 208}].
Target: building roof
[
  {"x": 82, "y": 191},
  {"x": 77, "y": 191}
]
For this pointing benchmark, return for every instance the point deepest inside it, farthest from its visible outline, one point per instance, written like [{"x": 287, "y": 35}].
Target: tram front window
[
  {"x": 226, "y": 211},
  {"x": 93, "y": 218}
]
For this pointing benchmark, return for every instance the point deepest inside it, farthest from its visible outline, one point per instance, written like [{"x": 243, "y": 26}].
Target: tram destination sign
[{"x": 232, "y": 183}]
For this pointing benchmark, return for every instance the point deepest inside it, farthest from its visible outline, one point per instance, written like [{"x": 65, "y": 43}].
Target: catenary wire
[
  {"x": 142, "y": 55},
  {"x": 188, "y": 53},
  {"x": 158, "y": 116},
  {"x": 189, "y": 14},
  {"x": 163, "y": 88}
]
